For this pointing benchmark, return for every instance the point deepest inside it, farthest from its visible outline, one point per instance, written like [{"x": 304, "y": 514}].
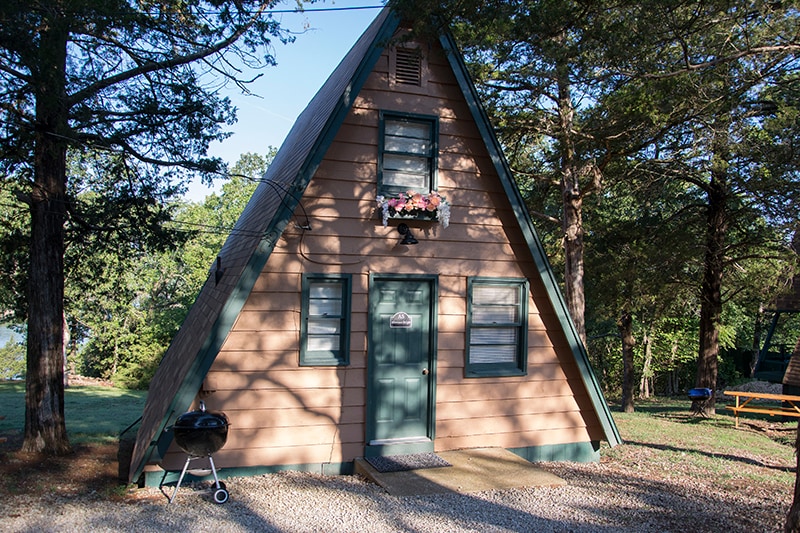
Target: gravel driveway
[{"x": 596, "y": 498}]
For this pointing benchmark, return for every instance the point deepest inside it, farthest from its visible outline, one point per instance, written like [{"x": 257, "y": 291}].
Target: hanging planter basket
[{"x": 414, "y": 206}]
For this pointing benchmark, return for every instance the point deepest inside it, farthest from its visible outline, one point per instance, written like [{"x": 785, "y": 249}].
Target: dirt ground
[{"x": 92, "y": 468}]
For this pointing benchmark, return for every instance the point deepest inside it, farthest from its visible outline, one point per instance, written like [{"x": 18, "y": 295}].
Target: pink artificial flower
[
  {"x": 433, "y": 202},
  {"x": 397, "y": 203},
  {"x": 417, "y": 201}
]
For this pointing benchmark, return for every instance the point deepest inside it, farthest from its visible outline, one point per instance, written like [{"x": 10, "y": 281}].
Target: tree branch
[
  {"x": 155, "y": 66},
  {"x": 694, "y": 67}
]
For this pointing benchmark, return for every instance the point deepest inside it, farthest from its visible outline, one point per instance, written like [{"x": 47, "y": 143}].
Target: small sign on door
[{"x": 400, "y": 320}]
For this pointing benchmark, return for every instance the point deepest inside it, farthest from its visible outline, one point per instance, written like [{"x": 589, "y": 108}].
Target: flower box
[{"x": 414, "y": 205}]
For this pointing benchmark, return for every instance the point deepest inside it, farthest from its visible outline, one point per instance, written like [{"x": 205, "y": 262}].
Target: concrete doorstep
[{"x": 473, "y": 470}]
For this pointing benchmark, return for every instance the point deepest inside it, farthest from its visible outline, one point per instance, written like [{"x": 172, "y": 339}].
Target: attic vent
[{"x": 408, "y": 66}]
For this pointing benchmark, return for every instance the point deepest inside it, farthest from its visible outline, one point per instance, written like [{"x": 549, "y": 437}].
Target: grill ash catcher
[{"x": 201, "y": 433}]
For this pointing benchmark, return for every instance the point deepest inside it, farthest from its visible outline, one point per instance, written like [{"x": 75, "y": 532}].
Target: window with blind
[
  {"x": 407, "y": 153},
  {"x": 325, "y": 320},
  {"x": 497, "y": 326}
]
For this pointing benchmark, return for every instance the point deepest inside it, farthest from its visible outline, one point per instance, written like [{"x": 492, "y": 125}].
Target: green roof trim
[{"x": 532, "y": 238}]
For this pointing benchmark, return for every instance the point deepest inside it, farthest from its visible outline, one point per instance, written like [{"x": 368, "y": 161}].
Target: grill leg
[
  {"x": 220, "y": 494},
  {"x": 183, "y": 473},
  {"x": 214, "y": 471}
]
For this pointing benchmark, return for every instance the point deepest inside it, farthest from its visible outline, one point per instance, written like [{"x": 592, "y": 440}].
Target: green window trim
[
  {"x": 325, "y": 320},
  {"x": 497, "y": 327},
  {"x": 408, "y": 147}
]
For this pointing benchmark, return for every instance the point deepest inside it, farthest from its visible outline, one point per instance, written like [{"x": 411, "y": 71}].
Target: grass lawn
[
  {"x": 93, "y": 413},
  {"x": 662, "y": 436}
]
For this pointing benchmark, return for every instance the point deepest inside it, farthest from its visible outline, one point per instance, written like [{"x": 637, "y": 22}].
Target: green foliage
[
  {"x": 140, "y": 80},
  {"x": 786, "y": 333},
  {"x": 606, "y": 357},
  {"x": 675, "y": 341},
  {"x": 125, "y": 311},
  {"x": 12, "y": 359},
  {"x": 14, "y": 238}
]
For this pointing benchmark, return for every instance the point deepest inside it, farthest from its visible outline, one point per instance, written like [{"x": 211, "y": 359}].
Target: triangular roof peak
[{"x": 251, "y": 242}]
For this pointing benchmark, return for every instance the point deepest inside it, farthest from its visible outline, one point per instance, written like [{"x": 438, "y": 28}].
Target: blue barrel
[{"x": 699, "y": 394}]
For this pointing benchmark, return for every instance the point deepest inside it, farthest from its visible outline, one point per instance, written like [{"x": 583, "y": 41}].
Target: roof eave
[{"x": 534, "y": 243}]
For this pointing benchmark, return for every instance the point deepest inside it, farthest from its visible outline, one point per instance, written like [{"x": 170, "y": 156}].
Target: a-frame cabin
[{"x": 324, "y": 338}]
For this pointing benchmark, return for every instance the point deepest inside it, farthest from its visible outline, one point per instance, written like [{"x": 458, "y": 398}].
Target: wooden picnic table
[{"x": 790, "y": 405}]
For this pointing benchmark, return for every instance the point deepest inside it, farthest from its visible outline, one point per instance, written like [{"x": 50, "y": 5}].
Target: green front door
[{"x": 401, "y": 372}]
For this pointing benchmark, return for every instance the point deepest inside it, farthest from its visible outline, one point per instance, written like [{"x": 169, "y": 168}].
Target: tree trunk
[
  {"x": 673, "y": 383},
  {"x": 572, "y": 201},
  {"x": 644, "y": 383},
  {"x": 792, "y": 524},
  {"x": 625, "y": 326},
  {"x": 711, "y": 288},
  {"x": 756, "y": 349},
  {"x": 45, "y": 429},
  {"x": 65, "y": 346}
]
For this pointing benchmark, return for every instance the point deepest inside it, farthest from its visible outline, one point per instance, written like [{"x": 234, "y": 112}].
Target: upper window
[
  {"x": 408, "y": 147},
  {"x": 497, "y": 327},
  {"x": 325, "y": 320}
]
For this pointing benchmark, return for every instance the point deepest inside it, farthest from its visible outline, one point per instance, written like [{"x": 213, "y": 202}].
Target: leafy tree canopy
[
  {"x": 130, "y": 90},
  {"x": 124, "y": 311}
]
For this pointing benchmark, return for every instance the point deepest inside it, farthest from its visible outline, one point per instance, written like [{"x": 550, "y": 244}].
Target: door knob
[{"x": 425, "y": 371}]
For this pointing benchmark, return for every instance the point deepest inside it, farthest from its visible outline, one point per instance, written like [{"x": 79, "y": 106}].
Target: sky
[
  {"x": 322, "y": 40},
  {"x": 5, "y": 335}
]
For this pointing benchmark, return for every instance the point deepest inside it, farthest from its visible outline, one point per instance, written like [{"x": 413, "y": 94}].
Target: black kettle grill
[{"x": 200, "y": 433}]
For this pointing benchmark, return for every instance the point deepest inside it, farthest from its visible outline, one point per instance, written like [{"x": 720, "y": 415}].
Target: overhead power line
[
  {"x": 321, "y": 9},
  {"x": 268, "y": 12}
]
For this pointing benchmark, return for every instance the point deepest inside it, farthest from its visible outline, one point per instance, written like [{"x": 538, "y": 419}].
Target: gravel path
[{"x": 597, "y": 498}]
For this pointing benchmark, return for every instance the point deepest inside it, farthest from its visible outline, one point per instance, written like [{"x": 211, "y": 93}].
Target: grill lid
[{"x": 201, "y": 419}]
